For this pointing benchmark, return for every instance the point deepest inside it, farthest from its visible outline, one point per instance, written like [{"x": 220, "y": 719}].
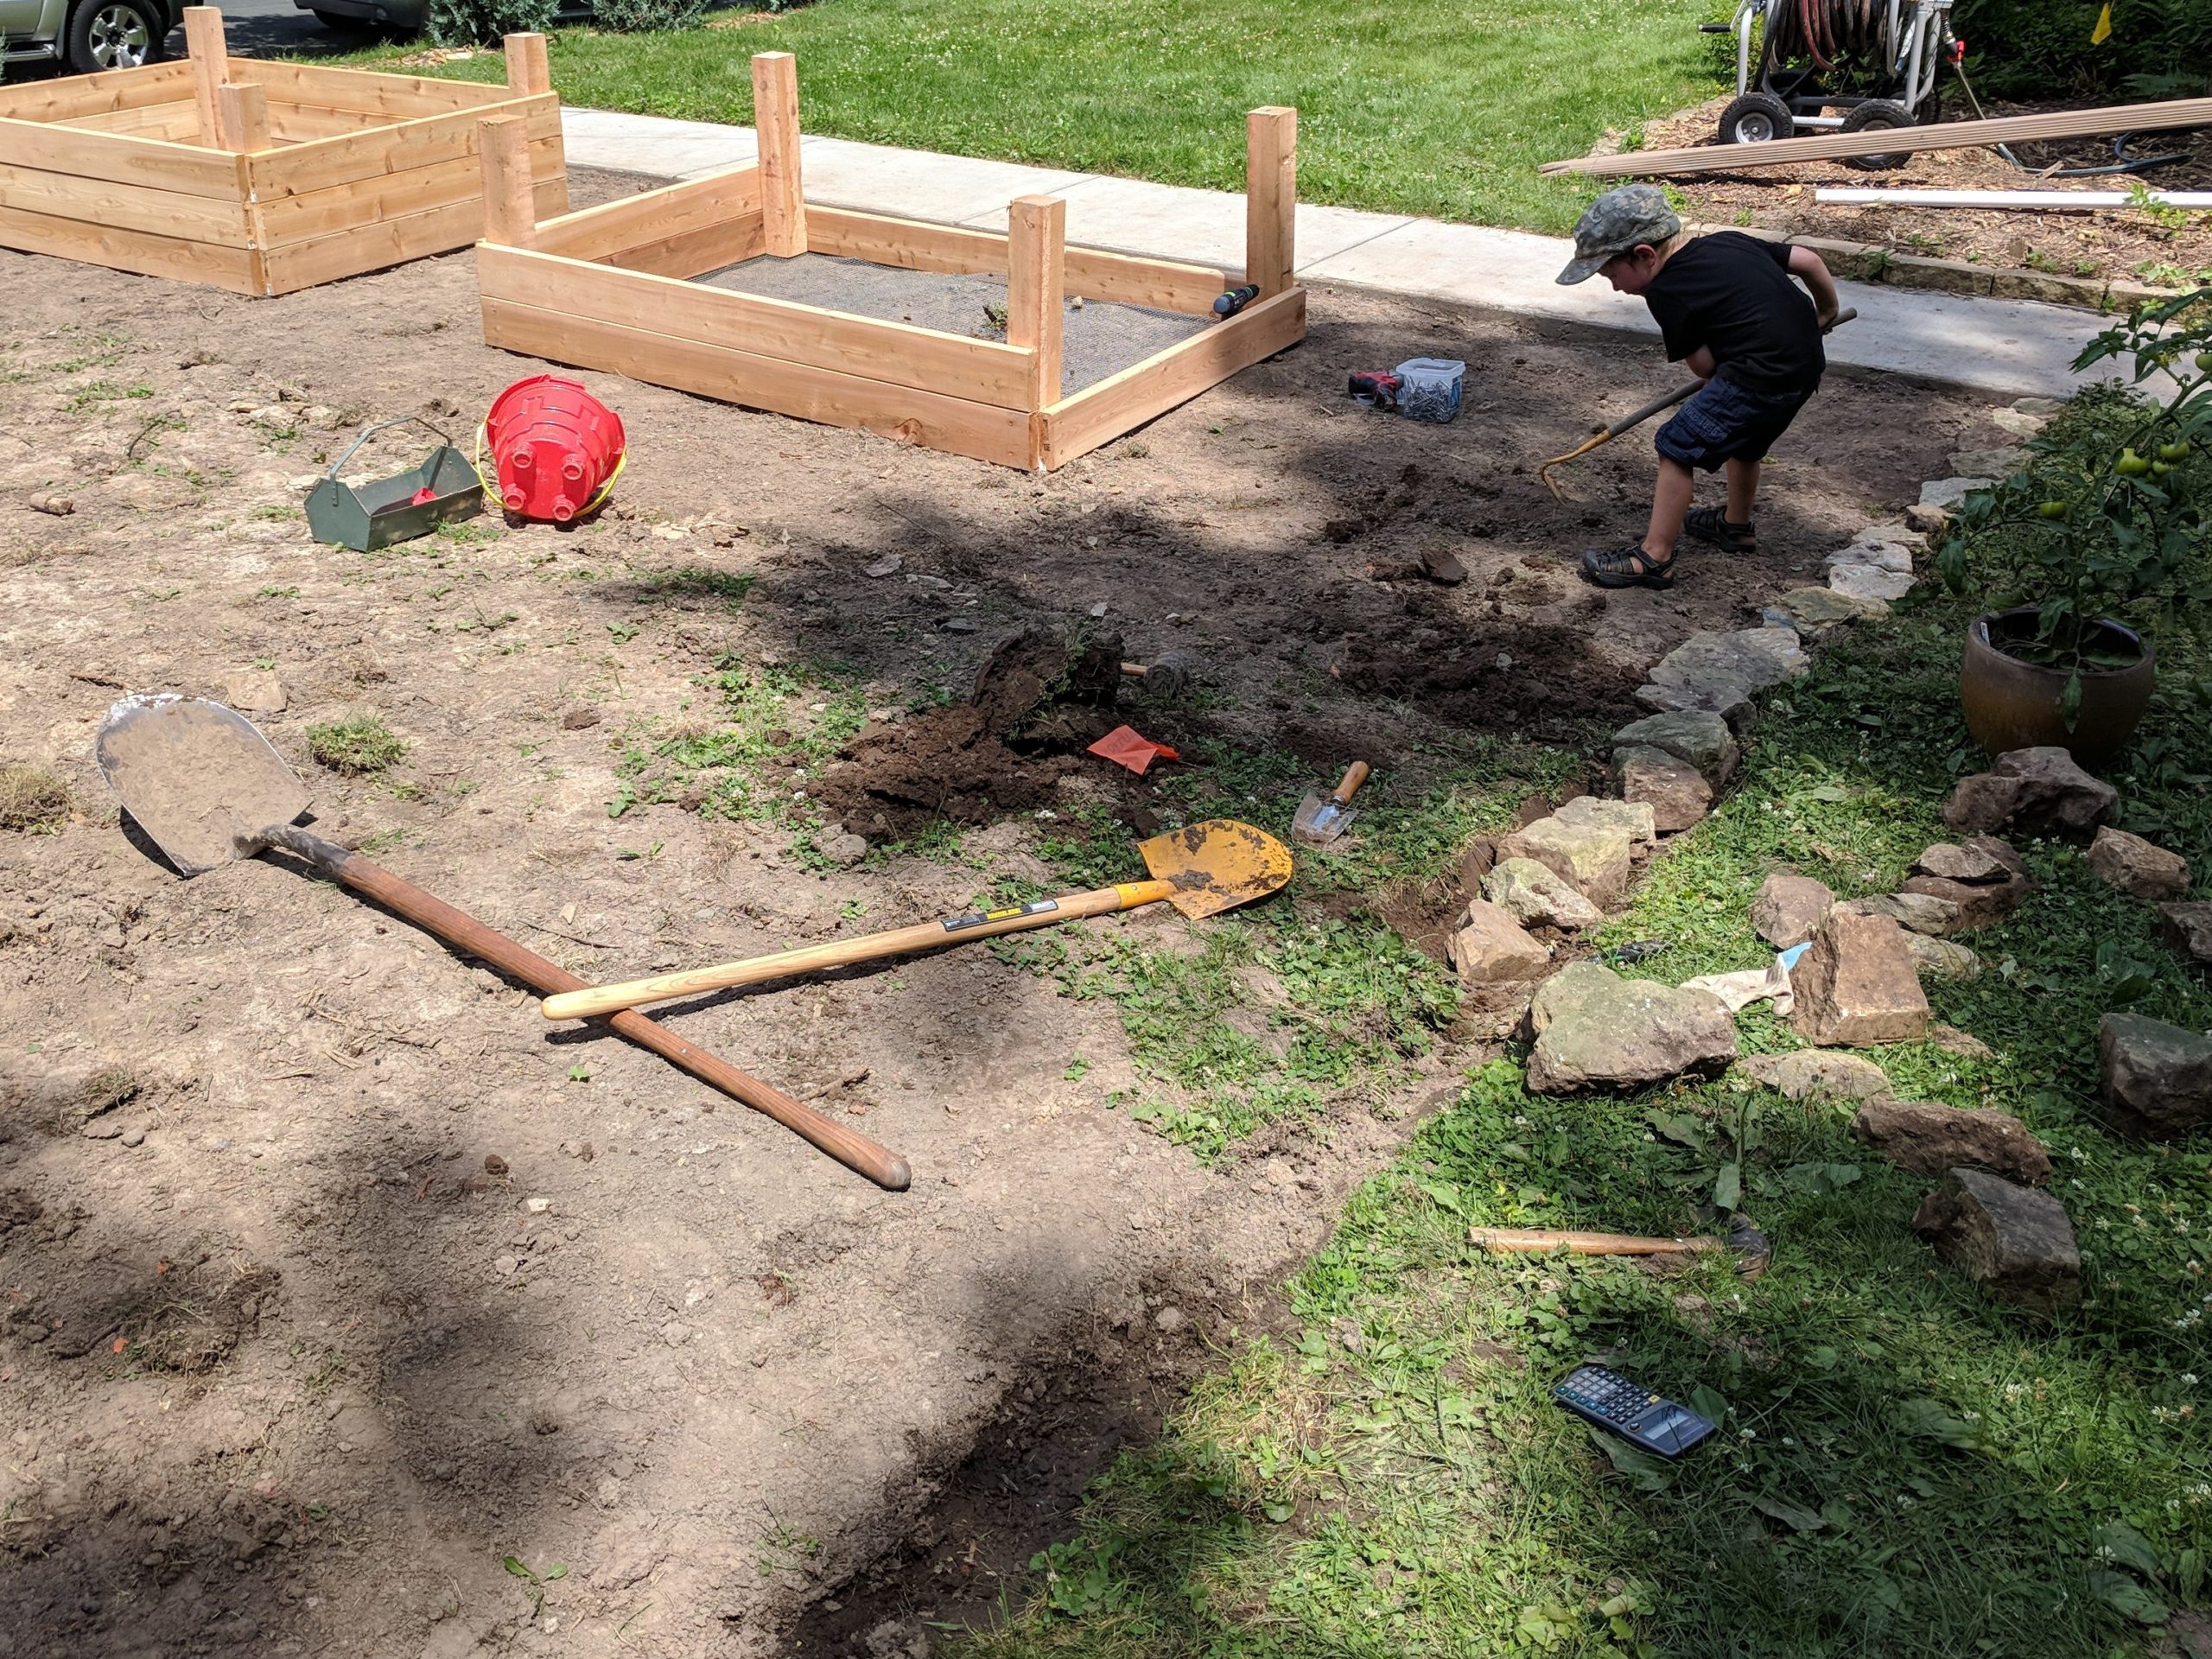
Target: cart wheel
[
  {"x": 1754, "y": 118},
  {"x": 1878, "y": 115}
]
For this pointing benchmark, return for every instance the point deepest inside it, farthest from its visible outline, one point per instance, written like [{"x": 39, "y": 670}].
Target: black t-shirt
[{"x": 1732, "y": 293}]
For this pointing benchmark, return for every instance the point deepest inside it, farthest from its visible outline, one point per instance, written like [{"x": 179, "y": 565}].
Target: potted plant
[{"x": 2100, "y": 536}]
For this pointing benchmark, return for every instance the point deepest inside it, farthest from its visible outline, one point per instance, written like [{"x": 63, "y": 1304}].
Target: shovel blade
[
  {"x": 1217, "y": 864},
  {"x": 199, "y": 778},
  {"x": 1320, "y": 820}
]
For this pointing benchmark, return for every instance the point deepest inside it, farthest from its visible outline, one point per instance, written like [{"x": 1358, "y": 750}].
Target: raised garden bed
[
  {"x": 614, "y": 287},
  {"x": 258, "y": 177}
]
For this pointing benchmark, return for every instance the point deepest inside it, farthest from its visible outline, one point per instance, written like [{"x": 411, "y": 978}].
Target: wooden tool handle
[
  {"x": 1355, "y": 775},
  {"x": 464, "y": 932},
  {"x": 818, "y": 958},
  {"x": 1539, "y": 1240},
  {"x": 1605, "y": 433}
]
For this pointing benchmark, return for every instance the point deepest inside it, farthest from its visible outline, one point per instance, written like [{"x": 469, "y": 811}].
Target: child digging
[{"x": 1725, "y": 306}]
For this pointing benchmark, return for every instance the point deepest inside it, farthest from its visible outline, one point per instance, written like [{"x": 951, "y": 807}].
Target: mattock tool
[
  {"x": 1202, "y": 869},
  {"x": 1744, "y": 1242},
  {"x": 1167, "y": 677},
  {"x": 1607, "y": 434},
  {"x": 205, "y": 786}
]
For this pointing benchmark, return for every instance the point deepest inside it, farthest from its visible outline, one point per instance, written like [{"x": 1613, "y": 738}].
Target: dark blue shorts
[{"x": 1725, "y": 423}]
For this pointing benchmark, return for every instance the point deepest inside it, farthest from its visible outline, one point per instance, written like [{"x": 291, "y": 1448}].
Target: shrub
[
  {"x": 2041, "y": 49},
  {"x": 642, "y": 17},
  {"x": 483, "y": 22}
]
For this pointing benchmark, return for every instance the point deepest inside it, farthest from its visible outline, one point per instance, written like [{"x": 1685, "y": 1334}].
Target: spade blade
[
  {"x": 1217, "y": 864},
  {"x": 199, "y": 778}
]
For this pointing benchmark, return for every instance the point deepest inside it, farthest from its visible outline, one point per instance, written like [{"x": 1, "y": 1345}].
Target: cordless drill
[{"x": 1376, "y": 389}]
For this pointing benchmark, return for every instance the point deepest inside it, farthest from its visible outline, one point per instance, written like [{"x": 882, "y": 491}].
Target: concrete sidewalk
[{"x": 2008, "y": 347}]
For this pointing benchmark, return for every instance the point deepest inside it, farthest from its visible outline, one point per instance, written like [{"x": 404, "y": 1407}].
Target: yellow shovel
[{"x": 1203, "y": 869}]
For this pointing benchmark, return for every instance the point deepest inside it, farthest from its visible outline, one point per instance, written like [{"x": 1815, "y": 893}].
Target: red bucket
[{"x": 556, "y": 449}]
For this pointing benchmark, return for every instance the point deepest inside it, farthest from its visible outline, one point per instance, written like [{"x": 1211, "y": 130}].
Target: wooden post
[
  {"x": 528, "y": 70},
  {"x": 775, "y": 122},
  {"x": 1270, "y": 199},
  {"x": 1036, "y": 267},
  {"x": 510, "y": 210},
  {"x": 203, "y": 39},
  {"x": 241, "y": 118}
]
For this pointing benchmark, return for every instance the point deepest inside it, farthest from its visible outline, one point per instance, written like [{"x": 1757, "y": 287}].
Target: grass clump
[
  {"x": 1905, "y": 1466},
  {"x": 777, "y": 726},
  {"x": 357, "y": 746},
  {"x": 34, "y": 801}
]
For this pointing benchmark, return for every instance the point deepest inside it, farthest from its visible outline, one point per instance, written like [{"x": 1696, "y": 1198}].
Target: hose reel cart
[{"x": 1872, "y": 62}]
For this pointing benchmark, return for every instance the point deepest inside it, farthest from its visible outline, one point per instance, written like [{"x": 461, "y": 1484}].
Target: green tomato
[
  {"x": 2204, "y": 361},
  {"x": 2132, "y": 465},
  {"x": 2160, "y": 469},
  {"x": 2173, "y": 452},
  {"x": 2052, "y": 510}
]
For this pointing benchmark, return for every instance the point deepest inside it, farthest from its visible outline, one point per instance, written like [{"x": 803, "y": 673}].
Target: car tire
[
  {"x": 115, "y": 35},
  {"x": 1754, "y": 118},
  {"x": 1878, "y": 115}
]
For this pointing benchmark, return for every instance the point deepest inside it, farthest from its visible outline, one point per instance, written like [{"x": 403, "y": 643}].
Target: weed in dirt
[
  {"x": 106, "y": 391},
  {"x": 34, "y": 801},
  {"x": 469, "y": 533},
  {"x": 1905, "y": 1466},
  {"x": 535, "y": 1583},
  {"x": 777, "y": 726},
  {"x": 697, "y": 581},
  {"x": 357, "y": 746},
  {"x": 107, "y": 1089}
]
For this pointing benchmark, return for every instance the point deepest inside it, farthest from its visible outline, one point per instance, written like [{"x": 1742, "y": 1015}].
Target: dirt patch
[
  {"x": 1540, "y": 682},
  {"x": 572, "y": 1355},
  {"x": 2124, "y": 243}
]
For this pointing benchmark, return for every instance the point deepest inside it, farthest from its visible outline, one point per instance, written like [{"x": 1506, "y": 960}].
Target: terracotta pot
[{"x": 2010, "y": 704}]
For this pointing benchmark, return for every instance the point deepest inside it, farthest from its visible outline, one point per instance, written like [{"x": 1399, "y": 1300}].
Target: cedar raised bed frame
[
  {"x": 257, "y": 176},
  {"x": 608, "y": 288}
]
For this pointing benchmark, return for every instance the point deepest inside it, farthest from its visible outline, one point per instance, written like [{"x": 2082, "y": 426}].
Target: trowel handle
[
  {"x": 1607, "y": 433},
  {"x": 1355, "y": 775},
  {"x": 820, "y": 958},
  {"x": 465, "y": 933}
]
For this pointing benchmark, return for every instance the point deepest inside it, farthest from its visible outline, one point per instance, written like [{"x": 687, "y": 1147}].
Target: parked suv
[{"x": 86, "y": 34}]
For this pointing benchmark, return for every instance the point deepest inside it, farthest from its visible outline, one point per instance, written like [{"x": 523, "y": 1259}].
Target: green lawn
[{"x": 1438, "y": 109}]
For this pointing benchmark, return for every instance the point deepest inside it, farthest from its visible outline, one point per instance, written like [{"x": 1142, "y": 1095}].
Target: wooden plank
[
  {"x": 810, "y": 394},
  {"x": 177, "y": 122},
  {"x": 530, "y": 69},
  {"x": 1101, "y": 413},
  {"x": 203, "y": 42},
  {"x": 1948, "y": 135},
  {"x": 373, "y": 247},
  {"x": 509, "y": 214},
  {"x": 121, "y": 159},
  {"x": 387, "y": 98},
  {"x": 726, "y": 242},
  {"x": 1035, "y": 295},
  {"x": 655, "y": 215},
  {"x": 65, "y": 98},
  {"x": 1093, "y": 273},
  {"x": 1271, "y": 198},
  {"x": 241, "y": 118},
  {"x": 234, "y": 268},
  {"x": 775, "y": 122},
  {"x": 976, "y": 371},
  {"x": 124, "y": 206},
  {"x": 302, "y": 124},
  {"x": 400, "y": 148},
  {"x": 346, "y": 207}
]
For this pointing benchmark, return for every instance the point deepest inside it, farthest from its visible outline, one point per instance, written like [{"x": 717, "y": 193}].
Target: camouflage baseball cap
[{"x": 1616, "y": 222}]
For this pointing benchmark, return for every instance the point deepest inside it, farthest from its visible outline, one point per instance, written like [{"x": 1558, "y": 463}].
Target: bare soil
[
  {"x": 2123, "y": 243},
  {"x": 331, "y": 1276}
]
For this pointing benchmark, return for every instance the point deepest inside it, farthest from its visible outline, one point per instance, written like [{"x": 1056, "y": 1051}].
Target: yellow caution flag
[{"x": 2102, "y": 32}]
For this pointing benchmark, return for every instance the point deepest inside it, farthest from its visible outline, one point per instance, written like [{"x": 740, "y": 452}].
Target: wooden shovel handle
[
  {"x": 1537, "y": 1240},
  {"x": 818, "y": 958},
  {"x": 464, "y": 932},
  {"x": 1355, "y": 775}
]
